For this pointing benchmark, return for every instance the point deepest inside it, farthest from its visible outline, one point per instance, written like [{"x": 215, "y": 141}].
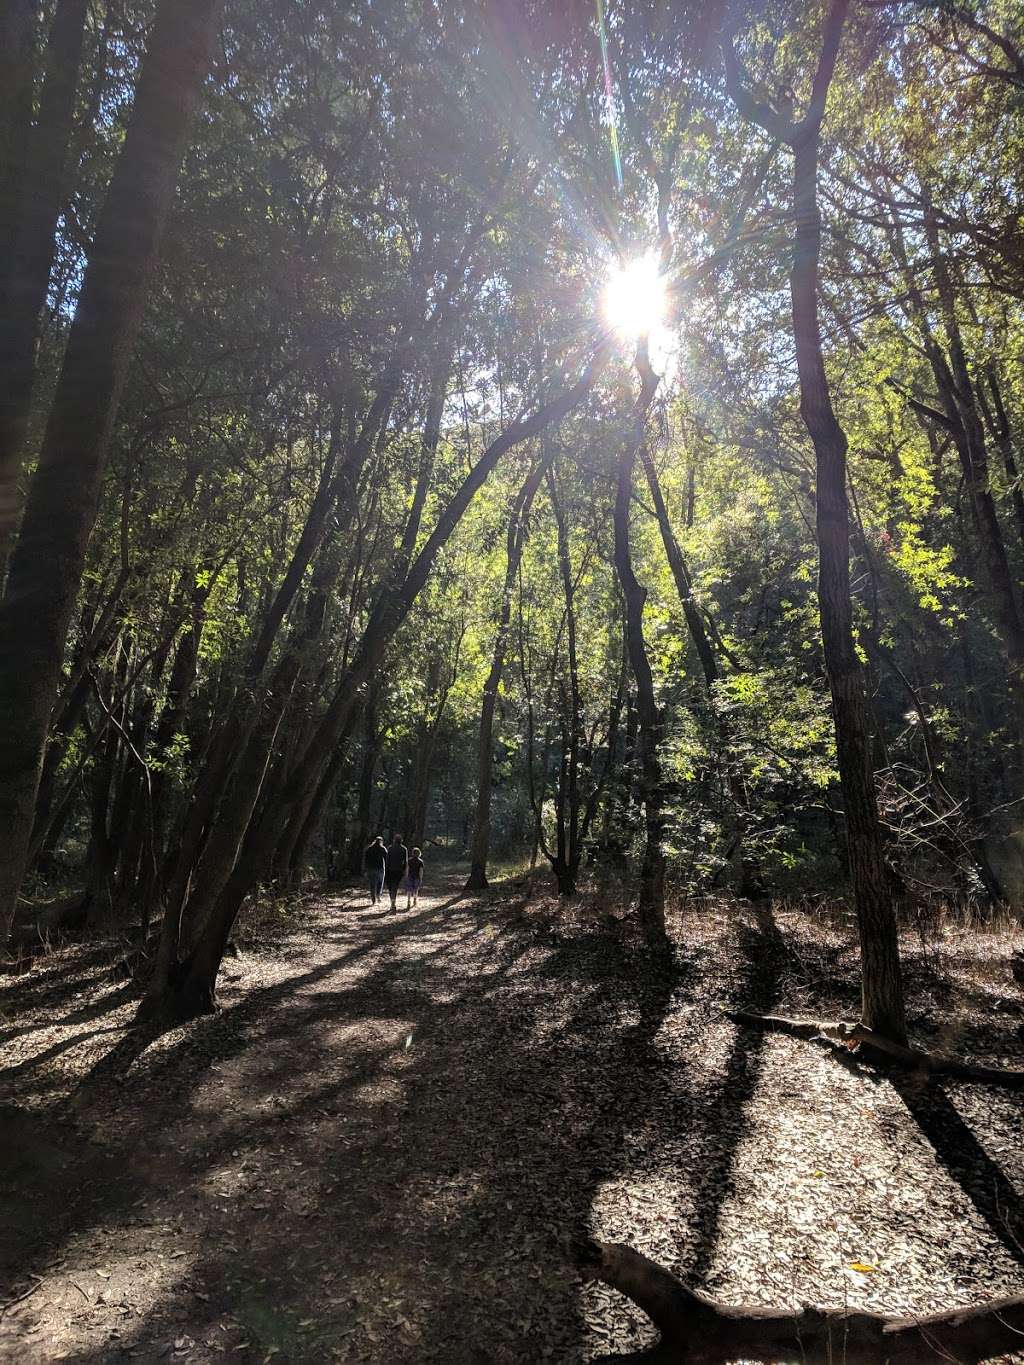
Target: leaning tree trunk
[
  {"x": 999, "y": 425},
  {"x": 306, "y": 818},
  {"x": 652, "y": 872},
  {"x": 193, "y": 987},
  {"x": 701, "y": 640},
  {"x": 394, "y": 603},
  {"x": 46, "y": 567}
]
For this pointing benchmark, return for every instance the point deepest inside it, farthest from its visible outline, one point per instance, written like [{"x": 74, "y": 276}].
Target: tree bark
[
  {"x": 19, "y": 21},
  {"x": 881, "y": 979},
  {"x": 364, "y": 786},
  {"x": 48, "y": 560},
  {"x": 515, "y": 544},
  {"x": 25, "y": 270},
  {"x": 652, "y": 872}
]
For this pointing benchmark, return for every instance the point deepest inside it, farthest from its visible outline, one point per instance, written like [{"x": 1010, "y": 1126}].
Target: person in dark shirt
[
  {"x": 374, "y": 862},
  {"x": 414, "y": 880},
  {"x": 397, "y": 863}
]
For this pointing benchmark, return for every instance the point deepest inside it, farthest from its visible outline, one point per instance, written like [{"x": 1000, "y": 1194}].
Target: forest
[{"x": 568, "y": 455}]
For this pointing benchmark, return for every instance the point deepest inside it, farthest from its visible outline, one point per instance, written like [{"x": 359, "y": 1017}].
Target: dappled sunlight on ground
[{"x": 381, "y": 1147}]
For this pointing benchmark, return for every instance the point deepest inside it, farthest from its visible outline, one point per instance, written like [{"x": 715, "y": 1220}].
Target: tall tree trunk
[
  {"x": 961, "y": 405},
  {"x": 515, "y": 544},
  {"x": 881, "y": 978},
  {"x": 652, "y": 871},
  {"x": 567, "y": 792},
  {"x": 46, "y": 567},
  {"x": 25, "y": 271},
  {"x": 421, "y": 805},
  {"x": 364, "y": 785},
  {"x": 881, "y": 984}
]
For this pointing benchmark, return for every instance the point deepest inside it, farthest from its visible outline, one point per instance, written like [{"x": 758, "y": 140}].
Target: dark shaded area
[
  {"x": 966, "y": 1160},
  {"x": 50, "y": 1180},
  {"x": 763, "y": 960},
  {"x": 406, "y": 1135},
  {"x": 517, "y": 1129}
]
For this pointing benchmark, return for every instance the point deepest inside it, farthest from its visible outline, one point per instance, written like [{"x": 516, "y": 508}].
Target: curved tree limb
[{"x": 699, "y": 1330}]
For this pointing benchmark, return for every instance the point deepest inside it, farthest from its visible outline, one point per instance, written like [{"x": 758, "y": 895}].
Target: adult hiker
[
  {"x": 374, "y": 862},
  {"x": 397, "y": 866}
]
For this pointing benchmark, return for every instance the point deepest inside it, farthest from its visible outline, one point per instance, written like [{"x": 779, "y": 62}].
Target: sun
[{"x": 635, "y": 299}]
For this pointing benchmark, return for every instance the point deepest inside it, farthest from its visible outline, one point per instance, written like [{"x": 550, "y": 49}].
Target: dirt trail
[{"x": 380, "y": 1146}]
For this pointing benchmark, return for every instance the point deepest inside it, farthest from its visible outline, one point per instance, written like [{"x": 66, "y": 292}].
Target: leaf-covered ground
[{"x": 380, "y": 1147}]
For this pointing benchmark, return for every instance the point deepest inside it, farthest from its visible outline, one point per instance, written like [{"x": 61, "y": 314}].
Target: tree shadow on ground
[
  {"x": 965, "y": 1159},
  {"x": 952, "y": 1016},
  {"x": 387, "y": 1153},
  {"x": 452, "y": 1169},
  {"x": 55, "y": 981},
  {"x": 181, "y": 1065},
  {"x": 764, "y": 955}
]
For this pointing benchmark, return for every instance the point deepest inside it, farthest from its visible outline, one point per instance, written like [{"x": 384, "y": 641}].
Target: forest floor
[{"x": 381, "y": 1145}]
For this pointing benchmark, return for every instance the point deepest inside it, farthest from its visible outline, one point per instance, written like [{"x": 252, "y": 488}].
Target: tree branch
[{"x": 698, "y": 1329}]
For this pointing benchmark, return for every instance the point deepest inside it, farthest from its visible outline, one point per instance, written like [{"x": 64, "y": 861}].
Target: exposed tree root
[
  {"x": 699, "y": 1331},
  {"x": 850, "y": 1036}
]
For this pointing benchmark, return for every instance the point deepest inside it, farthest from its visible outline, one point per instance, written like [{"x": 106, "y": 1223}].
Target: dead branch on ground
[
  {"x": 696, "y": 1329},
  {"x": 852, "y": 1037}
]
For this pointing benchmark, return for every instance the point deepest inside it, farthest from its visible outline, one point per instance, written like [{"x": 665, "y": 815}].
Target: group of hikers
[{"x": 390, "y": 866}]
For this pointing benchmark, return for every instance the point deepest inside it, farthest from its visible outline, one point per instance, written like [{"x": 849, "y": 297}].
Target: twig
[{"x": 21, "y": 1297}]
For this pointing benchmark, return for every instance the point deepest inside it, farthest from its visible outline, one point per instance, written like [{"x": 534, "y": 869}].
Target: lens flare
[{"x": 635, "y": 301}]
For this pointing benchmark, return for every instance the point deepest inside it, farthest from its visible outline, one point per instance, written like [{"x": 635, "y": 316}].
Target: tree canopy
[{"x": 392, "y": 362}]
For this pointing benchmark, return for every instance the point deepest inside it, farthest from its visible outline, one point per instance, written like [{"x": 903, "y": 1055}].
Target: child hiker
[{"x": 414, "y": 879}]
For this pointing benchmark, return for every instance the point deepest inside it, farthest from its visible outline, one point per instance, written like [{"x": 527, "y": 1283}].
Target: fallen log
[
  {"x": 698, "y": 1330},
  {"x": 35, "y": 924},
  {"x": 852, "y": 1037}
]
